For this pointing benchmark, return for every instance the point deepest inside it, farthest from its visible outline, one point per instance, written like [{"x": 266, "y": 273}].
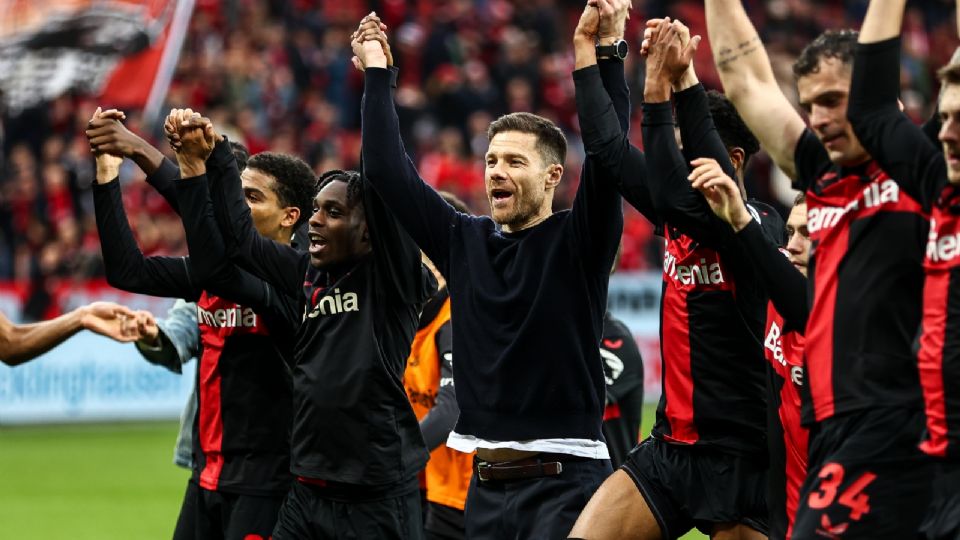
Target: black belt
[{"x": 543, "y": 464}]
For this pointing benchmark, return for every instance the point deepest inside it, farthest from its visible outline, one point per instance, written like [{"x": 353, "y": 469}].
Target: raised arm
[
  {"x": 278, "y": 264},
  {"x": 903, "y": 150},
  {"x": 749, "y": 82},
  {"x": 126, "y": 267},
  {"x": 675, "y": 201},
  {"x": 108, "y": 135},
  {"x": 785, "y": 285},
  {"x": 422, "y": 212},
  {"x": 217, "y": 273},
  {"x": 603, "y": 109}
]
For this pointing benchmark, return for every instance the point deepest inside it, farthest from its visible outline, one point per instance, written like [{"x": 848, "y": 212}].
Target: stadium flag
[{"x": 123, "y": 50}]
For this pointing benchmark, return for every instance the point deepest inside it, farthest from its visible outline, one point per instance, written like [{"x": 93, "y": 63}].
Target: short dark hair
[
  {"x": 550, "y": 140},
  {"x": 295, "y": 184},
  {"x": 241, "y": 153},
  {"x": 839, "y": 44},
  {"x": 949, "y": 74},
  {"x": 732, "y": 129},
  {"x": 455, "y": 202},
  {"x": 801, "y": 198},
  {"x": 351, "y": 178}
]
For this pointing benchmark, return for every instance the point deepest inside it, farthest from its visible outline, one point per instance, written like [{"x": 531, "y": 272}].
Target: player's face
[
  {"x": 338, "y": 231},
  {"x": 269, "y": 217},
  {"x": 798, "y": 238},
  {"x": 950, "y": 130},
  {"x": 823, "y": 95},
  {"x": 519, "y": 184}
]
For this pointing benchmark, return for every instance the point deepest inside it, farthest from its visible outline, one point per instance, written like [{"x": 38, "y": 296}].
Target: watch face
[{"x": 621, "y": 48}]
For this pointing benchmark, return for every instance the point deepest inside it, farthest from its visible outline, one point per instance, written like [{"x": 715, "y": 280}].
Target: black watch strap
[{"x": 617, "y": 50}]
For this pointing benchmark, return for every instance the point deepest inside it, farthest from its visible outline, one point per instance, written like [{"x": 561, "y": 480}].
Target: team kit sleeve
[
  {"x": 785, "y": 285},
  {"x": 901, "y": 148},
  {"x": 125, "y": 265},
  {"x": 677, "y": 202},
  {"x": 278, "y": 264},
  {"x": 217, "y": 273},
  {"x": 418, "y": 208},
  {"x": 442, "y": 417}
]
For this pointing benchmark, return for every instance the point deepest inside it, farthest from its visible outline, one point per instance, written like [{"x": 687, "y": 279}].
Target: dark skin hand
[{"x": 108, "y": 135}]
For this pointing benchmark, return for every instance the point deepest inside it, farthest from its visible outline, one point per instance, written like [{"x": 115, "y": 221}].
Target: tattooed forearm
[{"x": 728, "y": 55}]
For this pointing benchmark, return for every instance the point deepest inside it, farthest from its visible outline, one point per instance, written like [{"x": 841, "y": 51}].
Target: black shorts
[
  {"x": 867, "y": 477},
  {"x": 942, "y": 521},
  {"x": 688, "y": 486},
  {"x": 313, "y": 512},
  {"x": 230, "y": 516}
]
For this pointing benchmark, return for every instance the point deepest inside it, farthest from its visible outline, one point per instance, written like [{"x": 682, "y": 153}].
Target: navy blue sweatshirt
[{"x": 527, "y": 307}]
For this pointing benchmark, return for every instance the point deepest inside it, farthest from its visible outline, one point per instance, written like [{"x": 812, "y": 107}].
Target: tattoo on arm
[{"x": 728, "y": 55}]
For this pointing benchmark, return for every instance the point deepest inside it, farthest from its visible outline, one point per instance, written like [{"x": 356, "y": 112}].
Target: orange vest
[{"x": 448, "y": 472}]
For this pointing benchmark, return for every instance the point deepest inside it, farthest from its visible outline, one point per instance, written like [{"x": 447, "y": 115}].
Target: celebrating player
[
  {"x": 865, "y": 476},
  {"x": 528, "y": 292}
]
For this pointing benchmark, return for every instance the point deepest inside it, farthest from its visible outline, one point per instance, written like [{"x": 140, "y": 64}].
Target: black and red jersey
[
  {"x": 909, "y": 153},
  {"x": 939, "y": 356},
  {"x": 783, "y": 348},
  {"x": 866, "y": 278},
  {"x": 244, "y": 391},
  {"x": 241, "y": 435},
  {"x": 711, "y": 325}
]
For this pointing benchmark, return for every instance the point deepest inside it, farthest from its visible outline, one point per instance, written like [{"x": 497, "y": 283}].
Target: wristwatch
[{"x": 616, "y": 50}]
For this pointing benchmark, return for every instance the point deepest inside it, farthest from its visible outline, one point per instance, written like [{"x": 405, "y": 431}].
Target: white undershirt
[{"x": 573, "y": 447}]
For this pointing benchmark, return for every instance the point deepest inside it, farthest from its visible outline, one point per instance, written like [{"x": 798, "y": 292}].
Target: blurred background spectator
[{"x": 276, "y": 75}]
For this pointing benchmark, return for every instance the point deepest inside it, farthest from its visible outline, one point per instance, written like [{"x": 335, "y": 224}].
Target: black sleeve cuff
[
  {"x": 193, "y": 182},
  {"x": 222, "y": 152},
  {"x": 105, "y": 188},
  {"x": 655, "y": 114},
  {"x": 687, "y": 95},
  {"x": 379, "y": 78}
]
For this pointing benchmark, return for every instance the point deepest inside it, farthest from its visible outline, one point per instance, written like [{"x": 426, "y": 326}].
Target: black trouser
[
  {"x": 443, "y": 522},
  {"x": 542, "y": 508},
  {"x": 312, "y": 512},
  {"x": 225, "y": 516}
]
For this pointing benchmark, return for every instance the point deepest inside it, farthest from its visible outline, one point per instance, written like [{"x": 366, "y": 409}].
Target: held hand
[
  {"x": 589, "y": 24},
  {"x": 107, "y": 134},
  {"x": 108, "y": 165},
  {"x": 171, "y": 128},
  {"x": 146, "y": 328},
  {"x": 197, "y": 138},
  {"x": 110, "y": 320},
  {"x": 649, "y": 32},
  {"x": 613, "y": 20},
  {"x": 721, "y": 192},
  {"x": 370, "y": 45},
  {"x": 670, "y": 52}
]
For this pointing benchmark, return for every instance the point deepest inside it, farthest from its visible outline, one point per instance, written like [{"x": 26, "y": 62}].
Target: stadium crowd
[{"x": 277, "y": 75}]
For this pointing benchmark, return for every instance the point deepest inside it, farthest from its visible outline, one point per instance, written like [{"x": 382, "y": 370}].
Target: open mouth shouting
[
  {"x": 317, "y": 243},
  {"x": 500, "y": 198}
]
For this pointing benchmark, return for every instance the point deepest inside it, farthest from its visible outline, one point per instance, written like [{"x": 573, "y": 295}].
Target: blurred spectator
[{"x": 277, "y": 75}]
